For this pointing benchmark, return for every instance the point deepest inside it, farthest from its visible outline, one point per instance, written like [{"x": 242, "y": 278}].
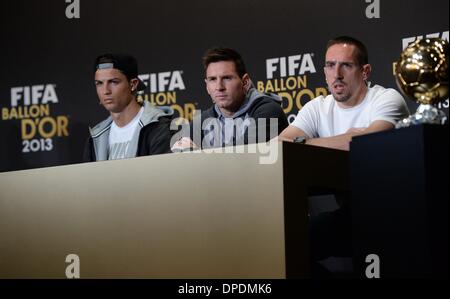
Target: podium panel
[
  {"x": 400, "y": 201},
  {"x": 188, "y": 215}
]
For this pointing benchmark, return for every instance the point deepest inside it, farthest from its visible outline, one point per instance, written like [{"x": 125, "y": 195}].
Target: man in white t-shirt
[
  {"x": 131, "y": 129},
  {"x": 353, "y": 108}
]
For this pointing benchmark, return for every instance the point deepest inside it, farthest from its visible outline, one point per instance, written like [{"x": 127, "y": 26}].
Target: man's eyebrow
[
  {"x": 336, "y": 61},
  {"x": 221, "y": 76},
  {"x": 108, "y": 79}
]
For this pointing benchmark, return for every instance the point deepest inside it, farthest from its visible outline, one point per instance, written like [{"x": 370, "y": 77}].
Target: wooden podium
[{"x": 188, "y": 215}]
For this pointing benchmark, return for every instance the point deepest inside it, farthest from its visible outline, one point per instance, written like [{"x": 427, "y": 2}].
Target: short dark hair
[
  {"x": 225, "y": 54},
  {"x": 361, "y": 55}
]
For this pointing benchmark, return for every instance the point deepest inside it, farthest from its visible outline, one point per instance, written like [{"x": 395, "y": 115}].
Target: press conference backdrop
[{"x": 47, "y": 95}]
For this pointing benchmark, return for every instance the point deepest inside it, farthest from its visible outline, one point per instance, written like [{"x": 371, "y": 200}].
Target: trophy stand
[{"x": 425, "y": 114}]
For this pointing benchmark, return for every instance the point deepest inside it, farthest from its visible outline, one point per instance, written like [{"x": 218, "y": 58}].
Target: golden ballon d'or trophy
[{"x": 422, "y": 74}]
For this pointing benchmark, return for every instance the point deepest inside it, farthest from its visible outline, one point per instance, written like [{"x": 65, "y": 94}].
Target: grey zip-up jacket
[
  {"x": 216, "y": 130},
  {"x": 152, "y": 135}
]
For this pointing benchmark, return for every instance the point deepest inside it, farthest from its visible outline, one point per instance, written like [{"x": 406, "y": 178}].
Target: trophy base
[{"x": 425, "y": 114}]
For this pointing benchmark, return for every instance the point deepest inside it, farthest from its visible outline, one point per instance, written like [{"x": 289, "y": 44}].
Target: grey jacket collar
[
  {"x": 100, "y": 133},
  {"x": 150, "y": 114},
  {"x": 252, "y": 96}
]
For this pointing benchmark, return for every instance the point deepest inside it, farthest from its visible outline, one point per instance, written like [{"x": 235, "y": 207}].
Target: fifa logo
[{"x": 290, "y": 66}]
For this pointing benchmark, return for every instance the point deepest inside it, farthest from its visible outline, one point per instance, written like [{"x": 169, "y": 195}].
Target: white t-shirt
[
  {"x": 120, "y": 137},
  {"x": 322, "y": 117}
]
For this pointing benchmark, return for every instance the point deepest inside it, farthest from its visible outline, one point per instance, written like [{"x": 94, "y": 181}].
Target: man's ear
[
  {"x": 133, "y": 84},
  {"x": 367, "y": 69},
  {"x": 246, "y": 82}
]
